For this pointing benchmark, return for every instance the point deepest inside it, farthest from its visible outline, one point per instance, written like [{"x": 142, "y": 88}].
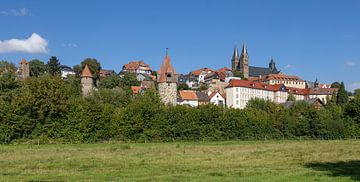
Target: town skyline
[{"x": 322, "y": 46}]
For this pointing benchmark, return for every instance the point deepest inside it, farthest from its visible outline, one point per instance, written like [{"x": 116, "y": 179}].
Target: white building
[
  {"x": 217, "y": 98},
  {"x": 239, "y": 92},
  {"x": 65, "y": 71},
  {"x": 287, "y": 80}
]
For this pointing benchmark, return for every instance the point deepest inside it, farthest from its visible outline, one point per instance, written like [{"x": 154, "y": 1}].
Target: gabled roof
[
  {"x": 298, "y": 91},
  {"x": 257, "y": 71},
  {"x": 86, "y": 72},
  {"x": 188, "y": 95},
  {"x": 256, "y": 85},
  {"x": 202, "y": 96},
  {"x": 213, "y": 94},
  {"x": 323, "y": 91},
  {"x": 134, "y": 65},
  {"x": 199, "y": 71},
  {"x": 283, "y": 77},
  {"x": 165, "y": 69}
]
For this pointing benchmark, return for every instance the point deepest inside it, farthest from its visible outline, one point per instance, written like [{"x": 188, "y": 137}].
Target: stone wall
[
  {"x": 87, "y": 86},
  {"x": 168, "y": 92}
]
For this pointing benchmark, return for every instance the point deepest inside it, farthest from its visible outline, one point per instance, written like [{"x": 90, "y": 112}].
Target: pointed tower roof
[
  {"x": 23, "y": 61},
  {"x": 236, "y": 52},
  {"x": 244, "y": 49},
  {"x": 86, "y": 72},
  {"x": 166, "y": 69}
]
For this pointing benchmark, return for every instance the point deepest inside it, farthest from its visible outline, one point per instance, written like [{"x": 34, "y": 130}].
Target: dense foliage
[{"x": 49, "y": 108}]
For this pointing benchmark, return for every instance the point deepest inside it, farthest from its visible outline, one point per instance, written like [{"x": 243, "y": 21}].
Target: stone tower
[
  {"x": 167, "y": 82},
  {"x": 87, "y": 81},
  {"x": 244, "y": 62},
  {"x": 235, "y": 60},
  {"x": 24, "y": 69}
]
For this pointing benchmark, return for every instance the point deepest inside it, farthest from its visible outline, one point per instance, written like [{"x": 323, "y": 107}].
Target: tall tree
[
  {"x": 93, "y": 64},
  {"x": 357, "y": 92},
  {"x": 342, "y": 95},
  {"x": 53, "y": 66},
  {"x": 291, "y": 97},
  {"x": 7, "y": 66},
  {"x": 37, "y": 67},
  {"x": 335, "y": 85}
]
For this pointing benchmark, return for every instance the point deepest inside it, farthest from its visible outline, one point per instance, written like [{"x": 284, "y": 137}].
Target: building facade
[{"x": 239, "y": 92}]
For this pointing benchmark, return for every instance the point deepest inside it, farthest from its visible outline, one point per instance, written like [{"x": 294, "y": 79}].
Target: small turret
[
  {"x": 24, "y": 69},
  {"x": 87, "y": 81}
]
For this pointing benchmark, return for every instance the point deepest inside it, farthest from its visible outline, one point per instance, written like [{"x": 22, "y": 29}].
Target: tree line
[{"x": 50, "y": 109}]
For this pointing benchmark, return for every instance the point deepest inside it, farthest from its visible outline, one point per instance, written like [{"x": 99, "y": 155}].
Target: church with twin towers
[{"x": 240, "y": 63}]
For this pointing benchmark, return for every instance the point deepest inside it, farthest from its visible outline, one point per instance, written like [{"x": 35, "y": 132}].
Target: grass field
[{"x": 183, "y": 161}]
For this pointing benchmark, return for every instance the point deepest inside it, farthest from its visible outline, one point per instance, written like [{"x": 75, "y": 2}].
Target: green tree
[
  {"x": 335, "y": 85},
  {"x": 183, "y": 86},
  {"x": 342, "y": 95},
  {"x": 291, "y": 97},
  {"x": 93, "y": 64},
  {"x": 6, "y": 66},
  {"x": 128, "y": 79},
  {"x": 37, "y": 67},
  {"x": 8, "y": 82},
  {"x": 357, "y": 91},
  {"x": 239, "y": 74},
  {"x": 202, "y": 87},
  {"x": 110, "y": 82},
  {"x": 53, "y": 66}
]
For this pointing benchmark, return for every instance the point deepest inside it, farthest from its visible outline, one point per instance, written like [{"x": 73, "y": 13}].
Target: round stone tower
[{"x": 87, "y": 81}]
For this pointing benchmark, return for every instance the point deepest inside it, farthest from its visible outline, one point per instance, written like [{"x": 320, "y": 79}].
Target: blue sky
[{"x": 311, "y": 39}]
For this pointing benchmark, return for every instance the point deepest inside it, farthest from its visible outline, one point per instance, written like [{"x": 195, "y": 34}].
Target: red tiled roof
[
  {"x": 198, "y": 72},
  {"x": 135, "y": 89},
  {"x": 134, "y": 65},
  {"x": 224, "y": 69},
  {"x": 280, "y": 76},
  {"x": 188, "y": 95},
  {"x": 322, "y": 91},
  {"x": 23, "y": 61},
  {"x": 165, "y": 69},
  {"x": 298, "y": 91},
  {"x": 255, "y": 85},
  {"x": 86, "y": 72}
]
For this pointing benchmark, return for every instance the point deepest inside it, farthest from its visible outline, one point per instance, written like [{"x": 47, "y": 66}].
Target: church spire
[
  {"x": 236, "y": 53},
  {"x": 244, "y": 49}
]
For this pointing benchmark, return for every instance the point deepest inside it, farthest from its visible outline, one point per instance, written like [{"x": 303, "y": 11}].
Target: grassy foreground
[{"x": 184, "y": 161}]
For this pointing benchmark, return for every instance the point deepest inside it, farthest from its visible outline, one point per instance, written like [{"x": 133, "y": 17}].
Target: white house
[
  {"x": 65, "y": 71},
  {"x": 217, "y": 99},
  {"x": 239, "y": 92}
]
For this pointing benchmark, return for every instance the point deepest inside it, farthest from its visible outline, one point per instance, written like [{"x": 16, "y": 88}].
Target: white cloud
[
  {"x": 34, "y": 44},
  {"x": 350, "y": 64},
  {"x": 354, "y": 85},
  {"x": 16, "y": 12},
  {"x": 70, "y": 45},
  {"x": 288, "y": 66}
]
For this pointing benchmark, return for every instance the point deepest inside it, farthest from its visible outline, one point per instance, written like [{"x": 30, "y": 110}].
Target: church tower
[
  {"x": 167, "y": 81},
  {"x": 235, "y": 60},
  {"x": 87, "y": 81},
  {"x": 24, "y": 69},
  {"x": 244, "y": 62}
]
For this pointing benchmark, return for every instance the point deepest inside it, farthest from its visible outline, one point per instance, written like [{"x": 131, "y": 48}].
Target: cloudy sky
[{"x": 311, "y": 39}]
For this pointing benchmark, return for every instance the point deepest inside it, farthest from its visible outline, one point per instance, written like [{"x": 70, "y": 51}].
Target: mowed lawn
[{"x": 183, "y": 161}]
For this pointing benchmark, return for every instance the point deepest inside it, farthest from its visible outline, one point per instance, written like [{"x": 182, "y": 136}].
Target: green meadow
[{"x": 309, "y": 160}]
